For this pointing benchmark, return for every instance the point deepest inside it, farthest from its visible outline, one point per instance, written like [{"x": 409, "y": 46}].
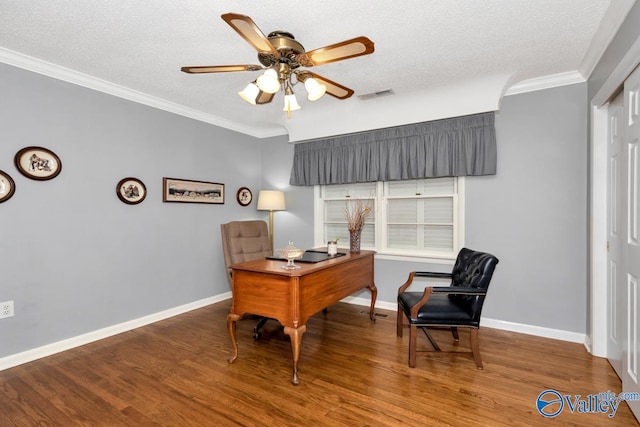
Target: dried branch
[{"x": 357, "y": 212}]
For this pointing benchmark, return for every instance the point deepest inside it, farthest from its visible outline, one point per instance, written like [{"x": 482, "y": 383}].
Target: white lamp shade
[
  {"x": 268, "y": 81},
  {"x": 314, "y": 89},
  {"x": 250, "y": 93},
  {"x": 290, "y": 103},
  {"x": 269, "y": 200}
]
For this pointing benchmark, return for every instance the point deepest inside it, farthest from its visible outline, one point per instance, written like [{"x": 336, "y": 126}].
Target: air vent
[{"x": 378, "y": 94}]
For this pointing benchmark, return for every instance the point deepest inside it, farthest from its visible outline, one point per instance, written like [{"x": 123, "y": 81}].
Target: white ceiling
[{"x": 441, "y": 58}]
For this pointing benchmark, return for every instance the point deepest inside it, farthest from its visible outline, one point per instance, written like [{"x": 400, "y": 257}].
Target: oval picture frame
[
  {"x": 244, "y": 196},
  {"x": 38, "y": 163},
  {"x": 7, "y": 186},
  {"x": 131, "y": 190}
]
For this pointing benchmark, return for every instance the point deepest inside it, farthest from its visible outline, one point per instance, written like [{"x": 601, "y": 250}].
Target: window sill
[{"x": 427, "y": 259}]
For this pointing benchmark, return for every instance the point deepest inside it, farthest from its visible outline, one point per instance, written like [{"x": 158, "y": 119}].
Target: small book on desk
[{"x": 312, "y": 256}]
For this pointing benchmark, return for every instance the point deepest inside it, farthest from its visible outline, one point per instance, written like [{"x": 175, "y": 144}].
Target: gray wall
[
  {"x": 532, "y": 214},
  {"x": 75, "y": 259}
]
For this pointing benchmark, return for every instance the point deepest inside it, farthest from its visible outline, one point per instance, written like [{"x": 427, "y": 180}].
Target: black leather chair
[{"x": 458, "y": 305}]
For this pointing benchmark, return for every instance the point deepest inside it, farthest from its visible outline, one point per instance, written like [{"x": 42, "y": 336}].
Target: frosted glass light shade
[
  {"x": 271, "y": 200},
  {"x": 268, "y": 82},
  {"x": 290, "y": 103},
  {"x": 314, "y": 89},
  {"x": 250, "y": 93}
]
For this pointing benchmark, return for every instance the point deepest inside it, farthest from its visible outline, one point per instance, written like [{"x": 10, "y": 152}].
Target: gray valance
[{"x": 460, "y": 146}]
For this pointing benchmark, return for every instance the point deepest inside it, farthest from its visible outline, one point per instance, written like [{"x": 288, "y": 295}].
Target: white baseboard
[
  {"x": 538, "y": 331},
  {"x": 67, "y": 344},
  {"x": 367, "y": 302},
  {"x": 57, "y": 347},
  {"x": 496, "y": 324},
  {"x": 588, "y": 344}
]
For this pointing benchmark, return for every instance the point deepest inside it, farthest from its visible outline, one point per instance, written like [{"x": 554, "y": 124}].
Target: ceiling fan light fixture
[
  {"x": 250, "y": 93},
  {"x": 314, "y": 89},
  {"x": 291, "y": 103},
  {"x": 268, "y": 82},
  {"x": 281, "y": 56}
]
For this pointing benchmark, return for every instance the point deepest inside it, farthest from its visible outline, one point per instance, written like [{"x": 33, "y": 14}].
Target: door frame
[{"x": 597, "y": 338}]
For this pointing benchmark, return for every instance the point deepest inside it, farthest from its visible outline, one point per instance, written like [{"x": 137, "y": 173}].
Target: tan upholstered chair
[{"x": 245, "y": 241}]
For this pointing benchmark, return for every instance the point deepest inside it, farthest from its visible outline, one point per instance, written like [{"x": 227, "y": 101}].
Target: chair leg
[
  {"x": 454, "y": 332},
  {"x": 433, "y": 342},
  {"x": 256, "y": 330},
  {"x": 399, "y": 321},
  {"x": 475, "y": 348},
  {"x": 413, "y": 342}
]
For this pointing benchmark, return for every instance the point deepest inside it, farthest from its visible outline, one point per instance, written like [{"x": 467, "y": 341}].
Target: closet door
[
  {"x": 615, "y": 285},
  {"x": 631, "y": 239}
]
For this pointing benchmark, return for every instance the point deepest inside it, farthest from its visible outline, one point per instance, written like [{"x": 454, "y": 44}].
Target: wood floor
[{"x": 353, "y": 373}]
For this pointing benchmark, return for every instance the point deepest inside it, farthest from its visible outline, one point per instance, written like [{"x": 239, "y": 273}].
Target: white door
[
  {"x": 615, "y": 286},
  {"x": 631, "y": 238}
]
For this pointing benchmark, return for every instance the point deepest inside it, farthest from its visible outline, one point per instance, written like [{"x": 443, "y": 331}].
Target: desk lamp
[{"x": 271, "y": 201}]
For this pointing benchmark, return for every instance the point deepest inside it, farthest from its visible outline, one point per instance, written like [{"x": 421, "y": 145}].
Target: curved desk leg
[
  {"x": 296, "y": 339},
  {"x": 374, "y": 295},
  {"x": 231, "y": 327}
]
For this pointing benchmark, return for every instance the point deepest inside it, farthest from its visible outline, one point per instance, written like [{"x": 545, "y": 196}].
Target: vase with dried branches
[{"x": 356, "y": 212}]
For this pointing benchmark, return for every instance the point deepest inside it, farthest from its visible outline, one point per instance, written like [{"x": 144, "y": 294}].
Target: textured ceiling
[{"x": 439, "y": 57}]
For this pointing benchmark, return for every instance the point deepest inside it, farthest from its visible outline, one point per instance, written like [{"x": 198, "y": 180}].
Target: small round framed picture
[
  {"x": 7, "y": 187},
  {"x": 244, "y": 196},
  {"x": 38, "y": 163},
  {"x": 131, "y": 191}
]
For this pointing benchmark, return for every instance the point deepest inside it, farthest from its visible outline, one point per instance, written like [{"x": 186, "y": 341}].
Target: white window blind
[
  {"x": 335, "y": 199},
  {"x": 411, "y": 218}
]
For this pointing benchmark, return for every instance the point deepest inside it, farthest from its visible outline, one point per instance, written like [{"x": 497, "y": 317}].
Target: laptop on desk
[{"x": 312, "y": 256}]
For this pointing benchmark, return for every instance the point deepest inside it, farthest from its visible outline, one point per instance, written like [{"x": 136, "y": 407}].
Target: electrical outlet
[{"x": 6, "y": 309}]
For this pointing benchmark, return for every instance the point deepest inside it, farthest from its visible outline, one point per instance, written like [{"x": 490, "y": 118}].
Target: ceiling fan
[{"x": 282, "y": 58}]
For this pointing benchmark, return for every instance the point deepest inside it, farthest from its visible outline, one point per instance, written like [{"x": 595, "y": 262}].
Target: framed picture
[
  {"x": 244, "y": 196},
  {"x": 38, "y": 163},
  {"x": 131, "y": 191},
  {"x": 7, "y": 187},
  {"x": 188, "y": 191}
]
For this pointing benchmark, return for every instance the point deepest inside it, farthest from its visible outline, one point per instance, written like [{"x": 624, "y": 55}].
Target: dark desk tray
[{"x": 312, "y": 256}]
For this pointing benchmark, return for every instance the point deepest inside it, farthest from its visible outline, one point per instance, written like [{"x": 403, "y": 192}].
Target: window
[{"x": 414, "y": 218}]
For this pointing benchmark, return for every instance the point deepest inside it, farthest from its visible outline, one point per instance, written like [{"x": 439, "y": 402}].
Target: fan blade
[
  {"x": 250, "y": 32},
  {"x": 336, "y": 52},
  {"x": 220, "y": 68},
  {"x": 334, "y": 89}
]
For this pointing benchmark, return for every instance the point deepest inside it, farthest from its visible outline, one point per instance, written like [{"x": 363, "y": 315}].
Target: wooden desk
[{"x": 264, "y": 288}]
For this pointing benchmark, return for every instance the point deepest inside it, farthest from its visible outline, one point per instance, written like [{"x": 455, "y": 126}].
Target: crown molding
[
  {"x": 61, "y": 73},
  {"x": 627, "y": 64},
  {"x": 609, "y": 26},
  {"x": 607, "y": 30},
  {"x": 546, "y": 82}
]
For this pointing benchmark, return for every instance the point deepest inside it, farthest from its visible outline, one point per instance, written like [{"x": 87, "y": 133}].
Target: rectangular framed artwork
[{"x": 188, "y": 191}]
